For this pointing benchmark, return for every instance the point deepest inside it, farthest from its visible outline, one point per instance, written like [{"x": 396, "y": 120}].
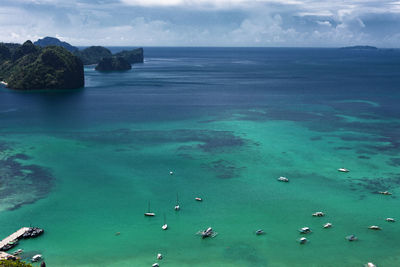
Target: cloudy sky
[{"x": 309, "y": 23}]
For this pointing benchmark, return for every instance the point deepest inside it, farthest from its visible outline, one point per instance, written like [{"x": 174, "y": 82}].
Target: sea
[{"x": 85, "y": 165}]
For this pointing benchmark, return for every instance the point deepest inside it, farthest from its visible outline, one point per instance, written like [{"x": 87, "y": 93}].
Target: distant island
[
  {"x": 50, "y": 41},
  {"x": 52, "y": 64},
  {"x": 359, "y": 47},
  {"x": 30, "y": 67}
]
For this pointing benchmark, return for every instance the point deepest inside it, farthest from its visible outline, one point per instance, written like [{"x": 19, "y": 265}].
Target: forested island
[
  {"x": 359, "y": 47},
  {"x": 52, "y": 64}
]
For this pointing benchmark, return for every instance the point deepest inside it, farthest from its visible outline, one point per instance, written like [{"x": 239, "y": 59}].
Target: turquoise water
[{"x": 84, "y": 164}]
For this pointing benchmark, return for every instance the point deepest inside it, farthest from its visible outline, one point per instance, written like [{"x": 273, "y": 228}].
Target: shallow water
[{"x": 84, "y": 164}]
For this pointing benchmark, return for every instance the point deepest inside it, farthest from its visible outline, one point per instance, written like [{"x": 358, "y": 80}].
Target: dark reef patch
[
  {"x": 224, "y": 169},
  {"x": 21, "y": 184},
  {"x": 241, "y": 252},
  {"x": 207, "y": 140},
  {"x": 394, "y": 162},
  {"x": 374, "y": 185},
  {"x": 363, "y": 157}
]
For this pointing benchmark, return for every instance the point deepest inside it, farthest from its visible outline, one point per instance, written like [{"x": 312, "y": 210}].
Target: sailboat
[
  {"x": 165, "y": 225},
  {"x": 177, "y": 207},
  {"x": 148, "y": 213}
]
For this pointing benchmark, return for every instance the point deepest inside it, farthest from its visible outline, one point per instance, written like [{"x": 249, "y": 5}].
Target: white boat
[
  {"x": 159, "y": 256},
  {"x": 36, "y": 258},
  {"x": 165, "y": 225},
  {"x": 343, "y": 170},
  {"x": 155, "y": 265},
  {"x": 283, "y": 179},
  {"x": 303, "y": 240},
  {"x": 171, "y": 173},
  {"x": 318, "y": 214},
  {"x": 385, "y": 193},
  {"x": 177, "y": 206},
  {"x": 327, "y": 225},
  {"x": 370, "y": 264},
  {"x": 305, "y": 230},
  {"x": 374, "y": 227},
  {"x": 390, "y": 220},
  {"x": 148, "y": 213},
  {"x": 198, "y": 199}
]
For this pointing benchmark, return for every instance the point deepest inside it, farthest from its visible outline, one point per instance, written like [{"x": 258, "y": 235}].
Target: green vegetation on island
[
  {"x": 132, "y": 56},
  {"x": 113, "y": 64},
  {"x": 12, "y": 263},
  {"x": 31, "y": 67},
  {"x": 93, "y": 54},
  {"x": 51, "y": 41}
]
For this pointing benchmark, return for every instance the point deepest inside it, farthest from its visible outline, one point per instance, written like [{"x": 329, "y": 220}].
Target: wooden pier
[{"x": 15, "y": 236}]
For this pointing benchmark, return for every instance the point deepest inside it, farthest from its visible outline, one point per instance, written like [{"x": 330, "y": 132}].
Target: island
[
  {"x": 93, "y": 55},
  {"x": 53, "y": 64},
  {"x": 51, "y": 41},
  {"x": 113, "y": 64},
  {"x": 31, "y": 67},
  {"x": 359, "y": 47}
]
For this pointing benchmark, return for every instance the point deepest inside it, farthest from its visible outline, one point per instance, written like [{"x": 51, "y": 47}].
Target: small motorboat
[
  {"x": 19, "y": 251},
  {"x": 343, "y": 170},
  {"x": 159, "y": 256},
  {"x": 327, "y": 225},
  {"x": 209, "y": 232},
  {"x": 36, "y": 258},
  {"x": 171, "y": 173},
  {"x": 369, "y": 264},
  {"x": 318, "y": 214},
  {"x": 198, "y": 199},
  {"x": 305, "y": 230},
  {"x": 351, "y": 238},
  {"x": 303, "y": 240},
  {"x": 390, "y": 220},
  {"x": 155, "y": 265},
  {"x": 385, "y": 193},
  {"x": 374, "y": 227},
  {"x": 283, "y": 179},
  {"x": 260, "y": 232}
]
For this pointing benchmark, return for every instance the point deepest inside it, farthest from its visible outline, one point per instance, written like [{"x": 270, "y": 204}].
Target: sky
[{"x": 260, "y": 23}]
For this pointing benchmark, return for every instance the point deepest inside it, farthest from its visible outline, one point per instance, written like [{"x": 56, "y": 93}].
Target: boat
[
  {"x": 171, "y": 173},
  {"x": 305, "y": 230},
  {"x": 283, "y": 179},
  {"x": 343, "y": 170},
  {"x": 19, "y": 251},
  {"x": 207, "y": 233},
  {"x": 303, "y": 240},
  {"x": 36, "y": 258},
  {"x": 385, "y": 193},
  {"x": 327, "y": 225},
  {"x": 390, "y": 220},
  {"x": 155, "y": 265},
  {"x": 177, "y": 206},
  {"x": 260, "y": 232},
  {"x": 148, "y": 213},
  {"x": 159, "y": 256},
  {"x": 351, "y": 238},
  {"x": 318, "y": 214},
  {"x": 198, "y": 199},
  {"x": 374, "y": 227},
  {"x": 369, "y": 264},
  {"x": 165, "y": 225}
]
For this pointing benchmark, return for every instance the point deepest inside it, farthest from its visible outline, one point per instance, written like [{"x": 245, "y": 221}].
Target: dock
[{"x": 17, "y": 235}]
